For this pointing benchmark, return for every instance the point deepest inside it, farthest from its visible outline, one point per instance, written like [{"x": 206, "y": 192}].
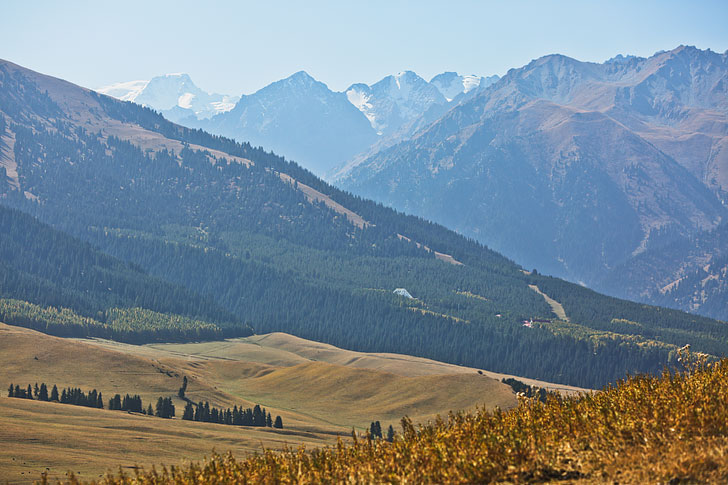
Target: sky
[{"x": 239, "y": 47}]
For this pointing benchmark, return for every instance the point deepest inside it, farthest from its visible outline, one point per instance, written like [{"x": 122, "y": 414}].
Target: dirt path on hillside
[{"x": 555, "y": 305}]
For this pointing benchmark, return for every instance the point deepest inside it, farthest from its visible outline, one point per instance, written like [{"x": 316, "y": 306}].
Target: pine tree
[
  {"x": 36, "y": 390},
  {"x": 115, "y": 403},
  {"x": 169, "y": 407},
  {"x": 100, "y": 401},
  {"x": 29, "y": 392},
  {"x": 258, "y": 416},
  {"x": 189, "y": 412},
  {"x": 10, "y": 390},
  {"x": 375, "y": 429},
  {"x": 269, "y": 420},
  {"x": 150, "y": 411},
  {"x": 54, "y": 393},
  {"x": 390, "y": 434},
  {"x": 279, "y": 422},
  {"x": 165, "y": 408}
]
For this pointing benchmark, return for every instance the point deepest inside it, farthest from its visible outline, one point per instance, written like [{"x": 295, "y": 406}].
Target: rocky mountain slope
[{"x": 572, "y": 167}]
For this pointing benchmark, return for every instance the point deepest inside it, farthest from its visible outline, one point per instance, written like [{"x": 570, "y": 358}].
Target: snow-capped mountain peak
[
  {"x": 395, "y": 100},
  {"x": 175, "y": 95}
]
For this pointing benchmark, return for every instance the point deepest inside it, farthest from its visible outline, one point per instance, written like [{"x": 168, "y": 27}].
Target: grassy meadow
[{"x": 319, "y": 391}]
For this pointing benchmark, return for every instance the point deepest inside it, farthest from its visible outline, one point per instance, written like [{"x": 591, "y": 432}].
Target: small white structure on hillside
[{"x": 403, "y": 292}]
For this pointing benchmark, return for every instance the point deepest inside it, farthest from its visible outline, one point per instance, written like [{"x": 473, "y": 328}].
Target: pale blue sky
[{"x": 239, "y": 47}]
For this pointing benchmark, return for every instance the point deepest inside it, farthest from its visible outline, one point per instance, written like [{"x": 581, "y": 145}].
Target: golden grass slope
[
  {"x": 343, "y": 396},
  {"x": 281, "y": 349},
  {"x": 313, "y": 383},
  {"x": 56, "y": 438},
  {"x": 669, "y": 429},
  {"x": 319, "y": 391}
]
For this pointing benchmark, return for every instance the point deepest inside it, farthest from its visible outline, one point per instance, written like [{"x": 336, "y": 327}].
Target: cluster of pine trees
[
  {"x": 375, "y": 431},
  {"x": 164, "y": 407},
  {"x": 127, "y": 403},
  {"x": 70, "y": 395},
  {"x": 256, "y": 416},
  {"x": 528, "y": 391}
]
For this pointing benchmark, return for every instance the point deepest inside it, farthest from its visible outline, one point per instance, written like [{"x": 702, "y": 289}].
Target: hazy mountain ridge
[
  {"x": 570, "y": 166},
  {"x": 301, "y": 118}
]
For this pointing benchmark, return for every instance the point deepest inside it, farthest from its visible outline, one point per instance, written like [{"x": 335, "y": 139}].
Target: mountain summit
[
  {"x": 174, "y": 95},
  {"x": 395, "y": 100},
  {"x": 300, "y": 118}
]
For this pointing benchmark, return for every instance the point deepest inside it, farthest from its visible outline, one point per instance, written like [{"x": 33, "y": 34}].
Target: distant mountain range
[
  {"x": 299, "y": 117},
  {"x": 581, "y": 170},
  {"x": 593, "y": 172}
]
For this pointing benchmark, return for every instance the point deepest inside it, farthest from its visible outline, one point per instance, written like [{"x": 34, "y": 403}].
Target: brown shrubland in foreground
[{"x": 672, "y": 428}]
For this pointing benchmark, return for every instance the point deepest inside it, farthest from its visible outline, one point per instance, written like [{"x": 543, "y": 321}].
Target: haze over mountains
[{"x": 300, "y": 117}]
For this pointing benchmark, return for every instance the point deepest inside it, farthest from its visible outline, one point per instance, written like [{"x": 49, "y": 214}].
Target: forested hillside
[
  {"x": 225, "y": 222},
  {"x": 77, "y": 291}
]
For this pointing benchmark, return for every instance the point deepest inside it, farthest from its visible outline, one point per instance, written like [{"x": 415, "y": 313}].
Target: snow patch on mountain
[
  {"x": 359, "y": 98},
  {"x": 185, "y": 101},
  {"x": 127, "y": 91}
]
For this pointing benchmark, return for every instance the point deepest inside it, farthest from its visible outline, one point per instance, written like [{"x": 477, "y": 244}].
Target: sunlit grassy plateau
[{"x": 668, "y": 429}]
